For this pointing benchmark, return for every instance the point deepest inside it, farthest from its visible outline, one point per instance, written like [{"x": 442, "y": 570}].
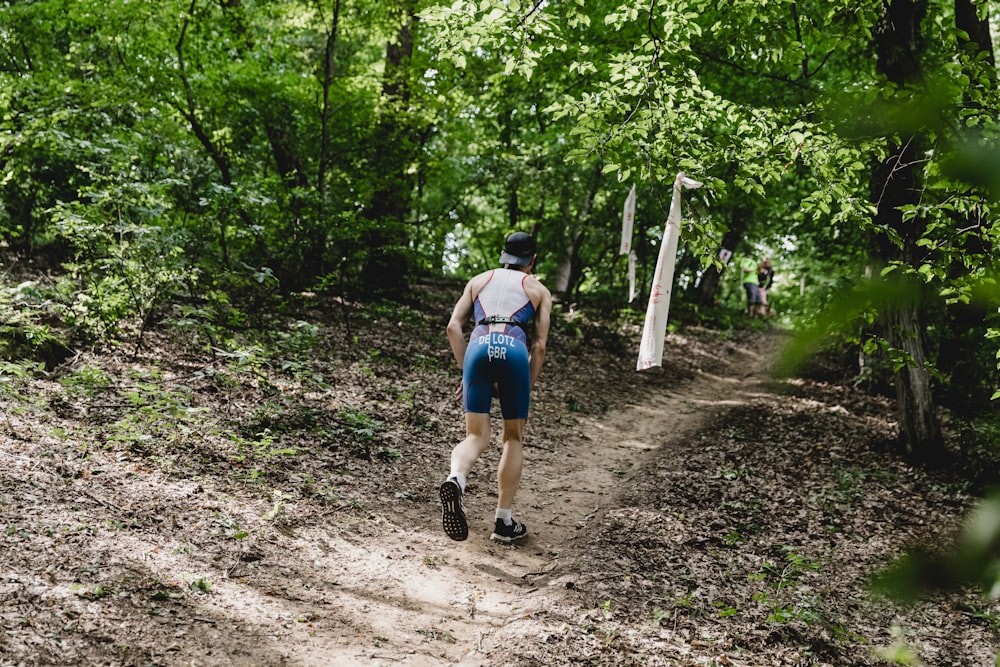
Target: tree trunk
[
  {"x": 328, "y": 72},
  {"x": 898, "y": 181},
  {"x": 570, "y": 267},
  {"x": 977, "y": 37},
  {"x": 918, "y": 419},
  {"x": 561, "y": 279},
  {"x": 217, "y": 153},
  {"x": 386, "y": 268},
  {"x": 708, "y": 285}
]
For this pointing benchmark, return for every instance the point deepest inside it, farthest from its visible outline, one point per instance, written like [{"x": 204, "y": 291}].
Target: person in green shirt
[{"x": 748, "y": 277}]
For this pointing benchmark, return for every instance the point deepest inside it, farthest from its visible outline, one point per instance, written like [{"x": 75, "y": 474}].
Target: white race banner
[
  {"x": 631, "y": 276},
  {"x": 655, "y": 327},
  {"x": 628, "y": 217}
]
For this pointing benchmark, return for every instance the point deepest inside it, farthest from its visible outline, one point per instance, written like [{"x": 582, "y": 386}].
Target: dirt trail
[
  {"x": 413, "y": 597},
  {"x": 160, "y": 550},
  {"x": 279, "y": 526}
]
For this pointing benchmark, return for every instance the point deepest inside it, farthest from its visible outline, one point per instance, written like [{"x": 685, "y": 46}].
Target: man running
[{"x": 497, "y": 354}]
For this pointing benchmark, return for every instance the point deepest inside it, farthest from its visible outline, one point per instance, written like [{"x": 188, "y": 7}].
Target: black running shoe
[
  {"x": 452, "y": 512},
  {"x": 504, "y": 533}
]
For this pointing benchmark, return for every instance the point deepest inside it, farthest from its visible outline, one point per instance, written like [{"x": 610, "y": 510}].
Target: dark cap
[{"x": 519, "y": 249}]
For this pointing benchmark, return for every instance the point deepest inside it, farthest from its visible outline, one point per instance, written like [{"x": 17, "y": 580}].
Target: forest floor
[{"x": 276, "y": 504}]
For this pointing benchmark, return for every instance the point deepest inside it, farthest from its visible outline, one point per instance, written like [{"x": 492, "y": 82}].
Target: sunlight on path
[{"x": 442, "y": 602}]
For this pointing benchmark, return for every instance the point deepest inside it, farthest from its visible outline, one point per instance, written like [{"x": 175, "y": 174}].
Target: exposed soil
[{"x": 181, "y": 507}]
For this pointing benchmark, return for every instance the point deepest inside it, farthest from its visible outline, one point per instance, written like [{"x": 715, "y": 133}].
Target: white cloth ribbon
[
  {"x": 631, "y": 276},
  {"x": 628, "y": 218},
  {"x": 655, "y": 327}
]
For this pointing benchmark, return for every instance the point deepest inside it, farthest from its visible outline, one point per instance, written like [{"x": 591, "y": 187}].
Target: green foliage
[
  {"x": 261, "y": 454},
  {"x": 28, "y": 312},
  {"x": 13, "y": 376},
  {"x": 359, "y": 430},
  {"x": 197, "y": 167},
  {"x": 200, "y": 585},
  {"x": 979, "y": 440},
  {"x": 87, "y": 381},
  {"x": 123, "y": 272},
  {"x": 971, "y": 559},
  {"x": 203, "y": 124},
  {"x": 156, "y": 416}
]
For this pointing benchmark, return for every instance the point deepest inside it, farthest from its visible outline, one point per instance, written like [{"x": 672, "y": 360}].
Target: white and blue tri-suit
[{"x": 497, "y": 353}]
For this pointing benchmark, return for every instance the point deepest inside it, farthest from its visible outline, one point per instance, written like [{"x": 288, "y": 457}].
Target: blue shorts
[
  {"x": 500, "y": 359},
  {"x": 753, "y": 293}
]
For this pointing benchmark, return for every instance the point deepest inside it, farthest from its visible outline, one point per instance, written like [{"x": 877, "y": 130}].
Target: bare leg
[
  {"x": 511, "y": 462},
  {"x": 477, "y": 439}
]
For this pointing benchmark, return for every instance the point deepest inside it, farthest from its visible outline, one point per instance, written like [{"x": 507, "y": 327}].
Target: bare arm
[
  {"x": 543, "y": 317},
  {"x": 459, "y": 316}
]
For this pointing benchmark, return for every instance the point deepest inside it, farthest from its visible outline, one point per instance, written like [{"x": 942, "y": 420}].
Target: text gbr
[{"x": 498, "y": 344}]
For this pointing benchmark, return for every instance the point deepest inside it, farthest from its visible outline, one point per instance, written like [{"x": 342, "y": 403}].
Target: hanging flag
[
  {"x": 631, "y": 276},
  {"x": 655, "y": 327},
  {"x": 628, "y": 217}
]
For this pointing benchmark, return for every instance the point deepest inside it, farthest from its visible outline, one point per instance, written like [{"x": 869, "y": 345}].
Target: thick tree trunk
[
  {"x": 708, "y": 285},
  {"x": 896, "y": 182},
  {"x": 561, "y": 281},
  {"x": 328, "y": 72},
  {"x": 977, "y": 38},
  {"x": 570, "y": 268},
  {"x": 918, "y": 421},
  {"x": 387, "y": 268}
]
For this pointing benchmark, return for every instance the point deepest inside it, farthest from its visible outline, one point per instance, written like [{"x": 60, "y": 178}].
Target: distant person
[
  {"x": 749, "y": 279},
  {"x": 765, "y": 277},
  {"x": 498, "y": 354}
]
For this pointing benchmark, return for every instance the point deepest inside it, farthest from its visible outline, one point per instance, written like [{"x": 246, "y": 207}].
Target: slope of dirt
[{"x": 248, "y": 508}]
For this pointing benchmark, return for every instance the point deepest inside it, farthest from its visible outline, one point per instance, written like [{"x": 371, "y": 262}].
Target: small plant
[
  {"x": 657, "y": 616},
  {"x": 361, "y": 430},
  {"x": 899, "y": 653},
  {"x": 784, "y": 600},
  {"x": 13, "y": 375},
  {"x": 684, "y": 602},
  {"x": 201, "y": 585},
  {"x": 725, "y": 609},
  {"x": 432, "y": 562},
  {"x": 276, "y": 510},
  {"x": 87, "y": 381},
  {"x": 95, "y": 592},
  {"x": 733, "y": 539},
  {"x": 389, "y": 454}
]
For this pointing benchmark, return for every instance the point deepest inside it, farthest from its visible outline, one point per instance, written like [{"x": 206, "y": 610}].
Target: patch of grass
[
  {"x": 725, "y": 609},
  {"x": 388, "y": 454},
  {"x": 87, "y": 381},
  {"x": 14, "y": 376},
  {"x": 361, "y": 430},
  {"x": 90, "y": 592},
  {"x": 433, "y": 562},
  {"x": 200, "y": 585}
]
